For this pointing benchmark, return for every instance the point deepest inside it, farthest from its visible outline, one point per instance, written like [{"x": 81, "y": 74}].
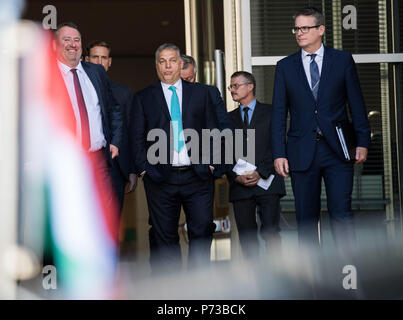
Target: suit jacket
[
  {"x": 339, "y": 85},
  {"x": 110, "y": 110},
  {"x": 224, "y": 121},
  {"x": 260, "y": 122},
  {"x": 150, "y": 111},
  {"x": 123, "y": 96}
]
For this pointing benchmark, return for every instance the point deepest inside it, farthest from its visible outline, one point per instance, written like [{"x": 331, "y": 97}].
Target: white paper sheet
[
  {"x": 265, "y": 183},
  {"x": 243, "y": 167}
]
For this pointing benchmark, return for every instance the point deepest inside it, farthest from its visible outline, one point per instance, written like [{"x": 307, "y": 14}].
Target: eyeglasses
[
  {"x": 236, "y": 86},
  {"x": 304, "y": 29}
]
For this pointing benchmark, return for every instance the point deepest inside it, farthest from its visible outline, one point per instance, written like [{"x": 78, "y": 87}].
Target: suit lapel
[
  {"x": 237, "y": 117},
  {"x": 257, "y": 114},
  {"x": 186, "y": 94},
  {"x": 95, "y": 82},
  {"x": 160, "y": 98},
  {"x": 326, "y": 67},
  {"x": 302, "y": 75}
]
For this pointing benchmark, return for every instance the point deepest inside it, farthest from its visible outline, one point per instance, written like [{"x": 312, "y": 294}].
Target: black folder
[{"x": 347, "y": 139}]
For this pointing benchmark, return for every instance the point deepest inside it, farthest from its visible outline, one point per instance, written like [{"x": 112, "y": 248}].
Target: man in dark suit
[
  {"x": 315, "y": 85},
  {"x": 122, "y": 170},
  {"x": 188, "y": 73},
  {"x": 98, "y": 116},
  {"x": 177, "y": 105},
  {"x": 245, "y": 193}
]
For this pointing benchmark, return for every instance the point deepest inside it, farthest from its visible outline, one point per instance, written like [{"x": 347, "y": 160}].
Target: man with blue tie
[
  {"x": 178, "y": 181},
  {"x": 315, "y": 85}
]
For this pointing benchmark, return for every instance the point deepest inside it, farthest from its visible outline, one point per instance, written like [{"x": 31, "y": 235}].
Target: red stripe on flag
[{"x": 63, "y": 116}]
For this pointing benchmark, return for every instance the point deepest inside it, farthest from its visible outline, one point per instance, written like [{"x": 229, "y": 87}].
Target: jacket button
[{"x": 316, "y": 111}]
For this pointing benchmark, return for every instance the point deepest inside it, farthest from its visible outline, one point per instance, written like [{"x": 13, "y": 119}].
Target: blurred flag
[{"x": 59, "y": 181}]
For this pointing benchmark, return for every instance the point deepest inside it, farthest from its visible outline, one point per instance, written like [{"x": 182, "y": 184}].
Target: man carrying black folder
[{"x": 315, "y": 85}]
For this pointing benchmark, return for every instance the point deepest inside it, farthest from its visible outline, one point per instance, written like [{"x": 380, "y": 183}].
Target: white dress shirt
[
  {"x": 97, "y": 137},
  {"x": 179, "y": 158},
  {"x": 306, "y": 61}
]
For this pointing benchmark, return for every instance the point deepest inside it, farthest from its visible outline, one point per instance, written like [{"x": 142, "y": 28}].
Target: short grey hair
[
  {"x": 188, "y": 60},
  {"x": 165, "y": 46},
  {"x": 249, "y": 77}
]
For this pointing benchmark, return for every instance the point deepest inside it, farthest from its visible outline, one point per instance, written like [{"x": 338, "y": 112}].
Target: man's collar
[
  {"x": 318, "y": 52},
  {"x": 177, "y": 84},
  {"x": 251, "y": 105},
  {"x": 66, "y": 69}
]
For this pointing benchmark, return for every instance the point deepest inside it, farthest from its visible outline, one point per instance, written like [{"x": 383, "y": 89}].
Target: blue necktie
[
  {"x": 315, "y": 76},
  {"x": 176, "y": 120}
]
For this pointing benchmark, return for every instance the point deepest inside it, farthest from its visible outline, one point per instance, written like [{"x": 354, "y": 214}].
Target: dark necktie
[
  {"x": 246, "y": 116},
  {"x": 245, "y": 126},
  {"x": 315, "y": 76},
  {"x": 85, "y": 125}
]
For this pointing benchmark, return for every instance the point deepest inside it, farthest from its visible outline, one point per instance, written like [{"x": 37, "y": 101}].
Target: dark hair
[
  {"x": 188, "y": 60},
  {"x": 98, "y": 43},
  {"x": 248, "y": 76},
  {"x": 313, "y": 12},
  {"x": 66, "y": 24}
]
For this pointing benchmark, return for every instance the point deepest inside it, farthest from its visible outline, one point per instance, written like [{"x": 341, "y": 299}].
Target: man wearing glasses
[
  {"x": 315, "y": 85},
  {"x": 246, "y": 193}
]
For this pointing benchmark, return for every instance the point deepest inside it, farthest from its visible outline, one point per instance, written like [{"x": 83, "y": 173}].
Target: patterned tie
[
  {"x": 85, "y": 125},
  {"x": 176, "y": 120},
  {"x": 315, "y": 76}
]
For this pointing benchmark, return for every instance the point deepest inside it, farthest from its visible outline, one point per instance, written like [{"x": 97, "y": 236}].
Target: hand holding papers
[{"x": 243, "y": 167}]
